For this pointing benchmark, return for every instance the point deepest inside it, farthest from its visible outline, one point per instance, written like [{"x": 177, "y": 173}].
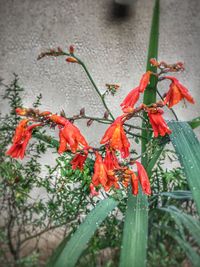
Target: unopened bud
[
  {"x": 71, "y": 49},
  {"x": 59, "y": 49},
  {"x": 82, "y": 111},
  {"x": 89, "y": 122},
  {"x": 106, "y": 114},
  {"x": 154, "y": 62},
  {"x": 71, "y": 60},
  {"x": 21, "y": 111}
]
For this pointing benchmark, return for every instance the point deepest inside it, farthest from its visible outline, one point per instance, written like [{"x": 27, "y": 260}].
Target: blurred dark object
[{"x": 121, "y": 8}]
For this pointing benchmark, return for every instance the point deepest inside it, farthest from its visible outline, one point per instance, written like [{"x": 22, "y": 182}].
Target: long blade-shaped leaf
[
  {"x": 187, "y": 148},
  {"x": 189, "y": 250},
  {"x": 179, "y": 194},
  {"x": 134, "y": 243},
  {"x": 190, "y": 223},
  {"x": 72, "y": 250},
  {"x": 150, "y": 92}
]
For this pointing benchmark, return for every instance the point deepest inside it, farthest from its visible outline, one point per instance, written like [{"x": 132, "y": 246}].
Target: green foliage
[
  {"x": 72, "y": 250},
  {"x": 25, "y": 214},
  {"x": 187, "y": 148},
  {"x": 135, "y": 233}
]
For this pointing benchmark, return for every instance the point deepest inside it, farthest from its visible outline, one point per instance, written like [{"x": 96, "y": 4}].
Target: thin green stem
[{"x": 95, "y": 86}]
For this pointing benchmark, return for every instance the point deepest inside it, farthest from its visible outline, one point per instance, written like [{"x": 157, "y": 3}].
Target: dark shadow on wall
[{"x": 121, "y": 11}]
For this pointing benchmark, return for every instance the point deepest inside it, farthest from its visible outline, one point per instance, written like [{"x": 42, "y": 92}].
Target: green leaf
[
  {"x": 187, "y": 148},
  {"x": 150, "y": 92},
  {"x": 179, "y": 194},
  {"x": 189, "y": 250},
  {"x": 134, "y": 243},
  {"x": 69, "y": 253},
  {"x": 194, "y": 123},
  {"x": 189, "y": 222}
]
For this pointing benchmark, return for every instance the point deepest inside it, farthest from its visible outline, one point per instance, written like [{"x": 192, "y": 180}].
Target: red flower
[
  {"x": 157, "y": 122},
  {"x": 110, "y": 160},
  {"x": 71, "y": 137},
  {"x": 79, "y": 160},
  {"x": 176, "y": 93},
  {"x": 144, "y": 81},
  {"x": 21, "y": 139},
  {"x": 93, "y": 191},
  {"x": 130, "y": 100},
  {"x": 58, "y": 119},
  {"x": 100, "y": 175},
  {"x": 134, "y": 183},
  {"x": 116, "y": 137},
  {"x": 143, "y": 177}
]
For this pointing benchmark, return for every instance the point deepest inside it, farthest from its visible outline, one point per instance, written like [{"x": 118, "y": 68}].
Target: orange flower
[
  {"x": 134, "y": 183},
  {"x": 110, "y": 160},
  {"x": 100, "y": 175},
  {"x": 111, "y": 163},
  {"x": 143, "y": 178},
  {"x": 144, "y": 81},
  {"x": 157, "y": 122},
  {"x": 79, "y": 160},
  {"x": 130, "y": 100},
  {"x": 21, "y": 139},
  {"x": 176, "y": 93},
  {"x": 58, "y": 119},
  {"x": 116, "y": 137},
  {"x": 70, "y": 137}
]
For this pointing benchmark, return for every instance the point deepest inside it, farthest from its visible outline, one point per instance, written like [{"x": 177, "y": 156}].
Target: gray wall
[{"x": 113, "y": 48}]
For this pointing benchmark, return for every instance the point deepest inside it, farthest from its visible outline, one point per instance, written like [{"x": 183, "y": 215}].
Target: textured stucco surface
[{"x": 114, "y": 49}]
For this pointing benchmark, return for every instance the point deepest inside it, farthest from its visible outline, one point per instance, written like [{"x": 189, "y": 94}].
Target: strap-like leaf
[
  {"x": 68, "y": 253},
  {"x": 187, "y": 148},
  {"x": 134, "y": 243},
  {"x": 189, "y": 222},
  {"x": 179, "y": 194},
  {"x": 189, "y": 250}
]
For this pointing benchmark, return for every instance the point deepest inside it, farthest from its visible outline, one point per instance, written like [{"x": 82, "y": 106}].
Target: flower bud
[
  {"x": 71, "y": 49},
  {"x": 71, "y": 60}
]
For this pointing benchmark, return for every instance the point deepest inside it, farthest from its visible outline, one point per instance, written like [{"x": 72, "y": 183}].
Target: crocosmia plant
[
  {"x": 114, "y": 166},
  {"x": 113, "y": 196}
]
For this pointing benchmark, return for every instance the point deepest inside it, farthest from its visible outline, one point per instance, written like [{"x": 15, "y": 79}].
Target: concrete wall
[{"x": 113, "y": 47}]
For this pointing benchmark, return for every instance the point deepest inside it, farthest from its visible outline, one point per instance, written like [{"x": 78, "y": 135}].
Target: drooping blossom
[
  {"x": 143, "y": 178},
  {"x": 130, "y": 100},
  {"x": 144, "y": 81},
  {"x": 21, "y": 139},
  {"x": 100, "y": 175},
  {"x": 110, "y": 159},
  {"x": 116, "y": 138},
  {"x": 103, "y": 176},
  {"x": 79, "y": 160},
  {"x": 134, "y": 183},
  {"x": 176, "y": 93},
  {"x": 111, "y": 163},
  {"x": 71, "y": 138},
  {"x": 157, "y": 122}
]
